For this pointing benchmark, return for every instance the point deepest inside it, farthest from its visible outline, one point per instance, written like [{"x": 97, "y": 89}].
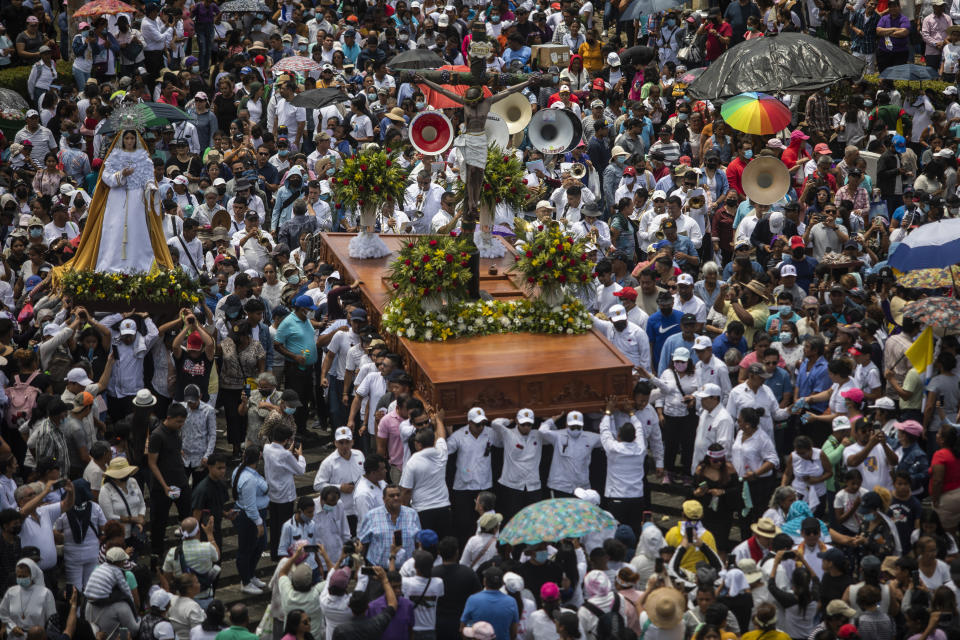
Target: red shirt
[
  {"x": 831, "y": 181},
  {"x": 951, "y": 466},
  {"x": 734, "y": 171},
  {"x": 714, "y": 46}
]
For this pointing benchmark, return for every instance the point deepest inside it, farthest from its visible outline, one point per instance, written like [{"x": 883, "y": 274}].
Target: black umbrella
[
  {"x": 143, "y": 115},
  {"x": 245, "y": 6},
  {"x": 319, "y": 98},
  {"x": 786, "y": 62},
  {"x": 413, "y": 59},
  {"x": 638, "y": 56}
]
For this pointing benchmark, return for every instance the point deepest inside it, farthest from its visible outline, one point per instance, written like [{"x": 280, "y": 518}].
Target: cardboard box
[{"x": 548, "y": 55}]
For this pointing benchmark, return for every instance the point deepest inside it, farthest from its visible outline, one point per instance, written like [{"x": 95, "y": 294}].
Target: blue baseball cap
[
  {"x": 899, "y": 144},
  {"x": 427, "y": 538},
  {"x": 246, "y": 70},
  {"x": 304, "y": 302}
]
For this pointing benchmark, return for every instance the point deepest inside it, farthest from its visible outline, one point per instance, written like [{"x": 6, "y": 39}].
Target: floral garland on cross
[
  {"x": 432, "y": 270},
  {"x": 364, "y": 182},
  {"x": 553, "y": 262},
  {"x": 161, "y": 286}
]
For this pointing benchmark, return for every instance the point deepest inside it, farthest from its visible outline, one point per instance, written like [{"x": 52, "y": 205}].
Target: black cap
[
  {"x": 664, "y": 296},
  {"x": 870, "y": 501},
  {"x": 809, "y": 525},
  {"x": 688, "y": 318},
  {"x": 290, "y": 398}
]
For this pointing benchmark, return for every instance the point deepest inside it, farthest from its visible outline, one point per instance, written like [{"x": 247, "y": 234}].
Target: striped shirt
[{"x": 102, "y": 581}]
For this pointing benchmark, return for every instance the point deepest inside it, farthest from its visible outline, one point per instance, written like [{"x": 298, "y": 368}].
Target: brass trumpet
[{"x": 578, "y": 171}]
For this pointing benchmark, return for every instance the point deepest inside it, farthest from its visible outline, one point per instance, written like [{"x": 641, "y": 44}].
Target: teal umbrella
[
  {"x": 143, "y": 115},
  {"x": 555, "y": 519}
]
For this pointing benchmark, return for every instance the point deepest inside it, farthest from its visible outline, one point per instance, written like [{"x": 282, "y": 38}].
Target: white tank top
[{"x": 803, "y": 467}]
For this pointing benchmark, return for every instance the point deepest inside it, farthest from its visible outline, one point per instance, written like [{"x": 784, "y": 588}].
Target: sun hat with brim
[
  {"x": 119, "y": 469},
  {"x": 750, "y": 570},
  {"x": 396, "y": 114},
  {"x": 757, "y": 287},
  {"x": 665, "y": 607},
  {"x": 144, "y": 398},
  {"x": 765, "y": 528}
]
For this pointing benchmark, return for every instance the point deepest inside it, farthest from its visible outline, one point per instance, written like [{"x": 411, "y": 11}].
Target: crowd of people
[{"x": 818, "y": 471}]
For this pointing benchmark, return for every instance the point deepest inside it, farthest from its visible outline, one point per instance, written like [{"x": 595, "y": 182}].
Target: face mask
[
  {"x": 36, "y": 233},
  {"x": 682, "y": 116},
  {"x": 421, "y": 105},
  {"x": 867, "y": 103},
  {"x": 494, "y": 19},
  {"x": 867, "y": 517},
  {"x": 302, "y": 47},
  {"x": 214, "y": 289},
  {"x": 23, "y": 582},
  {"x": 541, "y": 557},
  {"x": 671, "y": 22},
  {"x": 294, "y": 279},
  {"x": 623, "y": 109},
  {"x": 371, "y": 97},
  {"x": 827, "y": 90},
  {"x": 786, "y": 310},
  {"x": 284, "y": 153},
  {"x": 748, "y": 154},
  {"x": 575, "y": 432},
  {"x": 327, "y": 508},
  {"x": 620, "y": 325},
  {"x": 620, "y": 160},
  {"x": 786, "y": 337},
  {"x": 195, "y": 68},
  {"x": 838, "y": 220},
  {"x": 290, "y": 411},
  {"x": 680, "y": 366},
  {"x": 404, "y": 37}
]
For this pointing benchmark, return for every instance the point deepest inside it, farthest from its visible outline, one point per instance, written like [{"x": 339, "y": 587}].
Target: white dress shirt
[
  {"x": 280, "y": 468},
  {"x": 474, "y": 472},
  {"x": 156, "y": 35},
  {"x": 714, "y": 427},
  {"x": 632, "y": 342},
  {"x": 572, "y": 448},
  {"x": 521, "y": 457},
  {"x": 367, "y": 496},
  {"x": 624, "y": 461},
  {"x": 336, "y": 470},
  {"x": 686, "y": 226},
  {"x": 749, "y": 455},
  {"x": 332, "y": 527},
  {"x": 715, "y": 371},
  {"x": 742, "y": 396},
  {"x": 425, "y": 474},
  {"x": 605, "y": 297},
  {"x": 694, "y": 305}
]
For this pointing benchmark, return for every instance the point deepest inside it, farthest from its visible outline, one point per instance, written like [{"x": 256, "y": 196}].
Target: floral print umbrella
[
  {"x": 939, "y": 313},
  {"x": 555, "y": 519}
]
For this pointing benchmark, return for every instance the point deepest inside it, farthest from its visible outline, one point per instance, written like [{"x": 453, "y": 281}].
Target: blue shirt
[
  {"x": 722, "y": 344},
  {"x": 813, "y": 381},
  {"x": 251, "y": 492},
  {"x": 297, "y": 336},
  {"x": 779, "y": 383},
  {"x": 499, "y": 609},
  {"x": 659, "y": 328},
  {"x": 806, "y": 268},
  {"x": 376, "y": 529},
  {"x": 675, "y": 341},
  {"x": 683, "y": 244}
]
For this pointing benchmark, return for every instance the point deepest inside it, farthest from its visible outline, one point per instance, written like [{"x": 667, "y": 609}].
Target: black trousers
[
  {"x": 464, "y": 514},
  {"x": 160, "y": 511},
  {"x": 438, "y": 520},
  {"x": 511, "y": 501},
  {"x": 301, "y": 381},
  {"x": 678, "y": 436},
  {"x": 628, "y": 511},
  {"x": 280, "y": 512},
  {"x": 890, "y": 59}
]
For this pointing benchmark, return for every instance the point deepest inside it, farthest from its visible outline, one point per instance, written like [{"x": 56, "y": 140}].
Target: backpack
[
  {"x": 22, "y": 398},
  {"x": 610, "y": 626}
]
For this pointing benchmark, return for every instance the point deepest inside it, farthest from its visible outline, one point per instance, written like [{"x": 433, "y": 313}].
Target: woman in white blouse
[
  {"x": 121, "y": 498},
  {"x": 677, "y": 410},
  {"x": 482, "y": 546},
  {"x": 755, "y": 459}
]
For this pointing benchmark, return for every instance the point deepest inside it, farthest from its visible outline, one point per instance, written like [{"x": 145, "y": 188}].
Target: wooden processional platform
[{"x": 501, "y": 373}]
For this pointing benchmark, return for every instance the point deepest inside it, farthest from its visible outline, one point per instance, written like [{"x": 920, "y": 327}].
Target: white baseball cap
[
  {"x": 788, "y": 270},
  {"x": 525, "y": 416},
  {"x": 564, "y": 87},
  {"x": 545, "y": 204},
  {"x": 950, "y": 91},
  {"x": 680, "y": 353},
  {"x": 701, "y": 343},
  {"x": 476, "y": 415},
  {"x": 685, "y": 278},
  {"x": 78, "y": 376},
  {"x": 575, "y": 417},
  {"x": 709, "y": 390},
  {"x": 884, "y": 403},
  {"x": 589, "y": 495},
  {"x": 50, "y": 329},
  {"x": 617, "y": 313},
  {"x": 181, "y": 180},
  {"x": 128, "y": 327},
  {"x": 776, "y": 222},
  {"x": 219, "y": 181},
  {"x": 343, "y": 433},
  {"x": 658, "y": 195},
  {"x": 613, "y": 59},
  {"x": 163, "y": 631}
]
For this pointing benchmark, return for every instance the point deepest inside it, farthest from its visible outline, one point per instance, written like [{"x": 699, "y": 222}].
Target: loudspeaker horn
[
  {"x": 765, "y": 180},
  {"x": 431, "y": 133},
  {"x": 552, "y": 130},
  {"x": 577, "y": 131},
  {"x": 497, "y": 131},
  {"x": 515, "y": 111}
]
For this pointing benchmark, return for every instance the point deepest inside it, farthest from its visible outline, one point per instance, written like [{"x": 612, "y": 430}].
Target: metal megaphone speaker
[
  {"x": 765, "y": 180},
  {"x": 554, "y": 130},
  {"x": 431, "y": 133},
  {"x": 515, "y": 111},
  {"x": 578, "y": 171},
  {"x": 497, "y": 131}
]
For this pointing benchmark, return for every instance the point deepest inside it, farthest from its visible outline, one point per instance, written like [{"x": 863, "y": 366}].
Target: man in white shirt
[
  {"x": 522, "y": 448},
  {"x": 369, "y": 492},
  {"x": 607, "y": 287},
  {"x": 473, "y": 445},
  {"x": 189, "y": 247},
  {"x": 710, "y": 368},
  {"x": 626, "y": 453},
  {"x": 572, "y": 449},
  {"x": 716, "y": 426},
  {"x": 283, "y": 461},
  {"x": 628, "y": 338},
  {"x": 334, "y": 367},
  {"x": 294, "y": 118},
  {"x": 568, "y": 200},
  {"x": 686, "y": 302},
  {"x": 423, "y": 484},
  {"x": 871, "y": 456},
  {"x": 422, "y": 201},
  {"x": 343, "y": 469},
  {"x": 753, "y": 393},
  {"x": 255, "y": 242}
]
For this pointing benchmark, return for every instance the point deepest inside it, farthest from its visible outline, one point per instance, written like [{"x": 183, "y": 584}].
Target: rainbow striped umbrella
[{"x": 756, "y": 113}]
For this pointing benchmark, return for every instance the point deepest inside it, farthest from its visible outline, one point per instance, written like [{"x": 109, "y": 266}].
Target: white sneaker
[
  {"x": 251, "y": 589},
  {"x": 258, "y": 582}
]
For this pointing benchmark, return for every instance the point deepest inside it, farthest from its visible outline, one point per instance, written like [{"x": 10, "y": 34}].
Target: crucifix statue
[{"x": 473, "y": 143}]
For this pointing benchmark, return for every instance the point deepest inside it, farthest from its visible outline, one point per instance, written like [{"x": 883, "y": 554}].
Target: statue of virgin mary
[{"x": 124, "y": 232}]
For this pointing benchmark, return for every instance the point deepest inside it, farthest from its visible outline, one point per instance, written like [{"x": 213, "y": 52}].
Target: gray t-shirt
[
  {"x": 823, "y": 240},
  {"x": 948, "y": 388}
]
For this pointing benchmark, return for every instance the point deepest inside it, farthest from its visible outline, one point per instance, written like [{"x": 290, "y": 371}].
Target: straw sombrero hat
[
  {"x": 665, "y": 607},
  {"x": 119, "y": 468}
]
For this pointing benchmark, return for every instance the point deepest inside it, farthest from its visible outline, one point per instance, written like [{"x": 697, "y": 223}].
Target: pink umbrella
[{"x": 295, "y": 64}]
